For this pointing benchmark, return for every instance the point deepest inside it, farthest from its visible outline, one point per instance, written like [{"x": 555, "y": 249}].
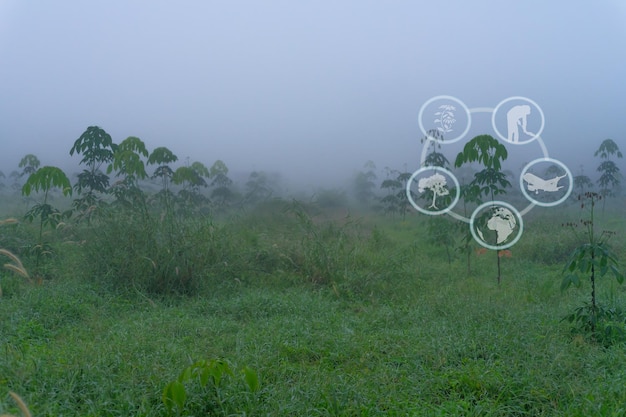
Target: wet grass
[{"x": 395, "y": 331}]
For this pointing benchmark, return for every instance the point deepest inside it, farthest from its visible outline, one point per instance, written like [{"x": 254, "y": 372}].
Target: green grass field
[{"x": 337, "y": 315}]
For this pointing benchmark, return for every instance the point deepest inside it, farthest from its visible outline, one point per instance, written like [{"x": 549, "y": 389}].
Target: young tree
[
  {"x": 162, "y": 156},
  {"x": 490, "y": 181},
  {"x": 97, "y": 148},
  {"x": 609, "y": 171},
  {"x": 582, "y": 182},
  {"x": 29, "y": 163},
  {"x": 391, "y": 184},
  {"x": 593, "y": 258},
  {"x": 45, "y": 179},
  {"x": 221, "y": 184},
  {"x": 191, "y": 178},
  {"x": 364, "y": 184},
  {"x": 257, "y": 187},
  {"x": 434, "y": 157},
  {"x": 128, "y": 163}
]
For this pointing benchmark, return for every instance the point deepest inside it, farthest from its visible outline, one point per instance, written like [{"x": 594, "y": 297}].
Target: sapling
[
  {"x": 45, "y": 179},
  {"x": 593, "y": 259},
  {"x": 609, "y": 171},
  {"x": 162, "y": 157},
  {"x": 97, "y": 148},
  {"x": 128, "y": 163},
  {"x": 490, "y": 181}
]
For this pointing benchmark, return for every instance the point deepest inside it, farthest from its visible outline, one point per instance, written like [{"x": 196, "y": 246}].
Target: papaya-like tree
[
  {"x": 391, "y": 201},
  {"x": 97, "y": 148},
  {"x": 191, "y": 178},
  {"x": 128, "y": 163},
  {"x": 582, "y": 182},
  {"x": 363, "y": 184},
  {"x": 434, "y": 158},
  {"x": 490, "y": 181},
  {"x": 29, "y": 163},
  {"x": 609, "y": 171},
  {"x": 45, "y": 179},
  {"x": 257, "y": 187},
  {"x": 222, "y": 191},
  {"x": 162, "y": 156}
]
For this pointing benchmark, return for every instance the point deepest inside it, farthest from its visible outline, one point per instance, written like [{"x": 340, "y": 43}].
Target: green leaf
[
  {"x": 251, "y": 378},
  {"x": 617, "y": 274},
  {"x": 569, "y": 280},
  {"x": 46, "y": 178},
  {"x": 174, "y": 394},
  {"x": 161, "y": 155}
]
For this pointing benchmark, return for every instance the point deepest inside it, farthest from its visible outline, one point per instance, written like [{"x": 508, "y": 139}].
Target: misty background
[{"x": 312, "y": 90}]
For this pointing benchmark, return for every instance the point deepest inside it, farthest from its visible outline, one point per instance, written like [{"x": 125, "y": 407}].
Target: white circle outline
[
  {"x": 423, "y": 210},
  {"x": 541, "y": 203},
  {"x": 465, "y": 108},
  {"x": 496, "y": 203},
  {"x": 495, "y": 128}
]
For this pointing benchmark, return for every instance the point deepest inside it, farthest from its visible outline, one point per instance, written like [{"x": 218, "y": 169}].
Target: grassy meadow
[{"x": 333, "y": 312}]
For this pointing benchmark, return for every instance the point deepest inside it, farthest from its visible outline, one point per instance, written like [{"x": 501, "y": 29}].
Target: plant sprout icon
[
  {"x": 446, "y": 118},
  {"x": 437, "y": 184}
]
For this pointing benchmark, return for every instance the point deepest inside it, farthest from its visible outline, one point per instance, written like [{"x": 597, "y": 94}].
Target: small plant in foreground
[
  {"x": 593, "y": 259},
  {"x": 220, "y": 392}
]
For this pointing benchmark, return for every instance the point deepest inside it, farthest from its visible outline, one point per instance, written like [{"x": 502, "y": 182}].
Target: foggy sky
[{"x": 309, "y": 88}]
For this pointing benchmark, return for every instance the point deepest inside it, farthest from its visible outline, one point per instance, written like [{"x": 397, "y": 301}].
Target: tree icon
[{"x": 436, "y": 184}]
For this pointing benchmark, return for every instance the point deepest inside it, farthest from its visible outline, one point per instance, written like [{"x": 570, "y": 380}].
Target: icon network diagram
[{"x": 518, "y": 121}]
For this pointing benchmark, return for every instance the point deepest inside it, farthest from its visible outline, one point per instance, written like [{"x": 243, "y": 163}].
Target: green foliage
[
  {"x": 258, "y": 187},
  {"x": 592, "y": 259},
  {"x": 322, "y": 255},
  {"x": 396, "y": 200},
  {"x": 490, "y": 153},
  {"x": 127, "y": 160},
  {"x": 128, "y": 163},
  {"x": 221, "y": 185},
  {"x": 483, "y": 149},
  {"x": 490, "y": 181},
  {"x": 219, "y": 391},
  {"x": 46, "y": 178},
  {"x": 30, "y": 163},
  {"x": 609, "y": 171},
  {"x": 191, "y": 178},
  {"x": 605, "y": 325},
  {"x": 441, "y": 232},
  {"x": 435, "y": 158},
  {"x": 96, "y": 146}
]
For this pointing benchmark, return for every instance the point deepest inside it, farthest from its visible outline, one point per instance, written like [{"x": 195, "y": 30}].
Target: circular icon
[
  {"x": 496, "y": 225},
  {"x": 547, "y": 187},
  {"x": 434, "y": 189},
  {"x": 523, "y": 124},
  {"x": 442, "y": 113}
]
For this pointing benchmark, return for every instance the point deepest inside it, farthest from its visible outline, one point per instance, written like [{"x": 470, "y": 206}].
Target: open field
[{"x": 338, "y": 315}]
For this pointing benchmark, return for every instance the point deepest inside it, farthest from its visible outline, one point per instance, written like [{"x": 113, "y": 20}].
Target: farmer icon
[{"x": 518, "y": 120}]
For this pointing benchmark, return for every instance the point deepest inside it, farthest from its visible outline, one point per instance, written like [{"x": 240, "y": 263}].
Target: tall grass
[{"x": 339, "y": 316}]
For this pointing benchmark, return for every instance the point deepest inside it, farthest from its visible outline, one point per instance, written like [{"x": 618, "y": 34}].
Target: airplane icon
[{"x": 537, "y": 184}]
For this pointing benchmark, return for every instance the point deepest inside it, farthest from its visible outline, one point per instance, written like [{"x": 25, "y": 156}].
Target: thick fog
[{"x": 309, "y": 89}]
